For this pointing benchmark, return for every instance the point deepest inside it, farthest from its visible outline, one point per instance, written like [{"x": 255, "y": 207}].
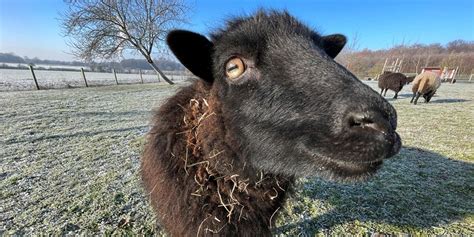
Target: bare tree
[
  {"x": 105, "y": 28},
  {"x": 345, "y": 57}
]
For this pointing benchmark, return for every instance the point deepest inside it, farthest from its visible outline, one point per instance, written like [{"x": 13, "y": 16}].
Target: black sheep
[
  {"x": 223, "y": 152},
  {"x": 393, "y": 81}
]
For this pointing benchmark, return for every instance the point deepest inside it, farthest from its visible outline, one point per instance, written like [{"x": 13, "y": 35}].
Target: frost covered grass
[
  {"x": 70, "y": 159},
  {"x": 70, "y": 162},
  {"x": 16, "y": 79}
]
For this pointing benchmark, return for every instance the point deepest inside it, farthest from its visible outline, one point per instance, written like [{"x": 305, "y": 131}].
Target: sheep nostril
[
  {"x": 367, "y": 121},
  {"x": 359, "y": 121}
]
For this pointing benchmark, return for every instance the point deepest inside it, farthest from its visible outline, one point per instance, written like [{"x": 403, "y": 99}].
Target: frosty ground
[
  {"x": 70, "y": 164},
  {"x": 21, "y": 79}
]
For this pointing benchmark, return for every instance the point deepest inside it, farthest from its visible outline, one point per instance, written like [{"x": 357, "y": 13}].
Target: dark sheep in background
[
  {"x": 410, "y": 79},
  {"x": 393, "y": 81},
  {"x": 425, "y": 84},
  {"x": 223, "y": 152}
]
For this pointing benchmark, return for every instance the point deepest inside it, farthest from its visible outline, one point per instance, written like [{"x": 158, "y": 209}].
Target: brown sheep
[
  {"x": 425, "y": 84},
  {"x": 223, "y": 152},
  {"x": 393, "y": 81}
]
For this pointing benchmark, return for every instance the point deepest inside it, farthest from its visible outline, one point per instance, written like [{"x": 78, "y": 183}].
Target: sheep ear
[
  {"x": 194, "y": 51},
  {"x": 333, "y": 44}
]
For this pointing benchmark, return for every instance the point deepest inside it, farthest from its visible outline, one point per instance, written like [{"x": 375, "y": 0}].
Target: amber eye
[{"x": 234, "y": 68}]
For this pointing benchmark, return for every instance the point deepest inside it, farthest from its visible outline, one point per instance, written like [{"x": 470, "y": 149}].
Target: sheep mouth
[
  {"x": 355, "y": 149},
  {"x": 354, "y": 165},
  {"x": 376, "y": 147},
  {"x": 396, "y": 144}
]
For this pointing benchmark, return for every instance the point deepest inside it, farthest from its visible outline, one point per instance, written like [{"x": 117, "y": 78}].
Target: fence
[{"x": 33, "y": 79}]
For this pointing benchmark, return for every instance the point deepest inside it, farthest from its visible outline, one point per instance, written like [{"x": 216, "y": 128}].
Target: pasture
[
  {"x": 70, "y": 165},
  {"x": 22, "y": 79}
]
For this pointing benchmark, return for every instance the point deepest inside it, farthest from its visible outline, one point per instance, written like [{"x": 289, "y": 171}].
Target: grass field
[
  {"x": 22, "y": 79},
  {"x": 70, "y": 159}
]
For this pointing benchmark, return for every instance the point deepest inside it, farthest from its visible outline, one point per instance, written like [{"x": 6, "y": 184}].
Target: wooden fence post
[
  {"x": 454, "y": 75},
  {"x": 158, "y": 76},
  {"x": 384, "y": 65},
  {"x": 84, "y": 76},
  {"x": 115, "y": 75},
  {"x": 34, "y": 77},
  {"x": 141, "y": 77}
]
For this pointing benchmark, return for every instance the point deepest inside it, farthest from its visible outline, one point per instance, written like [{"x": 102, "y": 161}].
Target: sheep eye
[{"x": 234, "y": 68}]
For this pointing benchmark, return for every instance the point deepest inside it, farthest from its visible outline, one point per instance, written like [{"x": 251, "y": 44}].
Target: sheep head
[{"x": 294, "y": 110}]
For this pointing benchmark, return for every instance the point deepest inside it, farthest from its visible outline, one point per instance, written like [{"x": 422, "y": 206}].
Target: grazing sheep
[
  {"x": 393, "y": 81},
  {"x": 223, "y": 152},
  {"x": 425, "y": 84}
]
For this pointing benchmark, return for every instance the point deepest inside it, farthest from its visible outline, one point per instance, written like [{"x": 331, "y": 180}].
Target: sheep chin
[
  {"x": 346, "y": 172},
  {"x": 338, "y": 170}
]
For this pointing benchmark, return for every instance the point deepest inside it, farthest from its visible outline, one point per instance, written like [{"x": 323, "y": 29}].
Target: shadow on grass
[
  {"x": 448, "y": 101},
  {"x": 400, "y": 96},
  {"x": 418, "y": 189},
  {"x": 405, "y": 95},
  {"x": 421, "y": 100}
]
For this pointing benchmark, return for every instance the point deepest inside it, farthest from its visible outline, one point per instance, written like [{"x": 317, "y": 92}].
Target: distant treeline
[
  {"x": 458, "y": 53},
  {"x": 124, "y": 65}
]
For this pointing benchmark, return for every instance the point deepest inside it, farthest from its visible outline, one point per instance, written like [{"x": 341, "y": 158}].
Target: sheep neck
[{"x": 241, "y": 193}]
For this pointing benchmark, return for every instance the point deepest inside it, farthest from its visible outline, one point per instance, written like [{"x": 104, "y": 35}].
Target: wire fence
[{"x": 33, "y": 79}]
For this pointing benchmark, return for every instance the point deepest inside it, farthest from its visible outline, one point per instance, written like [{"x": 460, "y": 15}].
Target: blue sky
[{"x": 31, "y": 27}]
